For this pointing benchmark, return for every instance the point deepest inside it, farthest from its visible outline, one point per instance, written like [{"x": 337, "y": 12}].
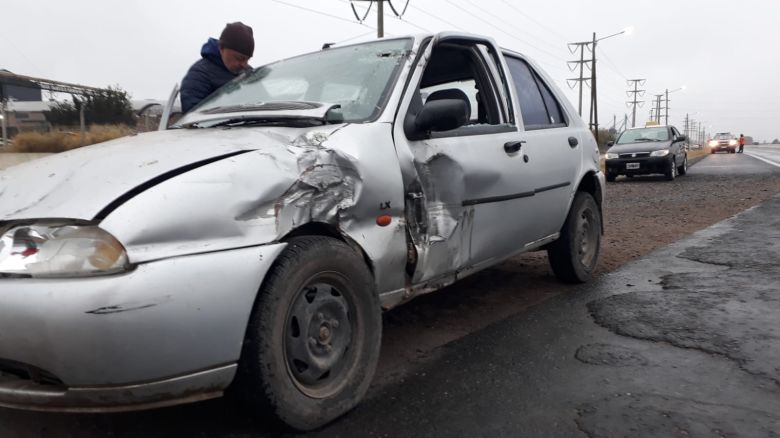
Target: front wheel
[
  {"x": 574, "y": 255},
  {"x": 313, "y": 341},
  {"x": 671, "y": 173},
  {"x": 683, "y": 169}
]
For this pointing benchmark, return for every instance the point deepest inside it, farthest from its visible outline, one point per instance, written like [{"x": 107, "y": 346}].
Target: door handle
[
  {"x": 512, "y": 147},
  {"x": 573, "y": 142}
]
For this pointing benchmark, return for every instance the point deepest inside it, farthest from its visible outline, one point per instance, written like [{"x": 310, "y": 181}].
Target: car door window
[
  {"x": 460, "y": 70},
  {"x": 540, "y": 109}
]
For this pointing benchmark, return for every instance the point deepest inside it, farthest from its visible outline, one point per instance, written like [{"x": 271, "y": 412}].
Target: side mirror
[
  {"x": 442, "y": 115},
  {"x": 682, "y": 138},
  {"x": 610, "y": 144}
]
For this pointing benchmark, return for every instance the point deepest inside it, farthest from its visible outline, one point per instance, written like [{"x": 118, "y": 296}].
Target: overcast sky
[{"x": 725, "y": 52}]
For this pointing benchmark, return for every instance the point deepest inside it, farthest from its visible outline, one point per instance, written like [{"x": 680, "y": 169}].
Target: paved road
[
  {"x": 682, "y": 340},
  {"x": 685, "y": 342},
  {"x": 755, "y": 160}
]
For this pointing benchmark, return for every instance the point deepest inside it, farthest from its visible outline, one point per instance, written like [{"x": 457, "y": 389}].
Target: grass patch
[{"x": 61, "y": 141}]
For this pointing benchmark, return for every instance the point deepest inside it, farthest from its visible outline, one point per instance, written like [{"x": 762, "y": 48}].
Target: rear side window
[{"x": 539, "y": 107}]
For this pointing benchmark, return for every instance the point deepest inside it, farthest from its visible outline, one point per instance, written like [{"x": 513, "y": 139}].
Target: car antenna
[{"x": 327, "y": 46}]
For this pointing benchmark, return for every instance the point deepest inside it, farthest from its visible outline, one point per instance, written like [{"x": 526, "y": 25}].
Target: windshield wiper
[
  {"x": 293, "y": 121},
  {"x": 647, "y": 139}
]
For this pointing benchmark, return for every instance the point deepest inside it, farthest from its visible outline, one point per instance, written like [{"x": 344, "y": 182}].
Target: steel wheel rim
[
  {"x": 318, "y": 336},
  {"x": 587, "y": 237}
]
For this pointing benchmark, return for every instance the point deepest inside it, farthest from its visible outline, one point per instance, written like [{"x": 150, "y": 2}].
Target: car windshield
[
  {"x": 358, "y": 78},
  {"x": 723, "y": 136},
  {"x": 643, "y": 135}
]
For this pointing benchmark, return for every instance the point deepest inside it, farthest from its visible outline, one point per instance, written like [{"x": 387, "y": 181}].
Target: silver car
[{"x": 255, "y": 245}]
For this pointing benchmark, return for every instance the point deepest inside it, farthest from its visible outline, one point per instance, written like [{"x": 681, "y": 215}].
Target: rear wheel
[
  {"x": 682, "y": 170},
  {"x": 574, "y": 255},
  {"x": 313, "y": 341}
]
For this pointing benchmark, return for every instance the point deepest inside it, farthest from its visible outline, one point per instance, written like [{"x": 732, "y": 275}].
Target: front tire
[
  {"x": 573, "y": 257},
  {"x": 671, "y": 173},
  {"x": 683, "y": 169},
  {"x": 313, "y": 340}
]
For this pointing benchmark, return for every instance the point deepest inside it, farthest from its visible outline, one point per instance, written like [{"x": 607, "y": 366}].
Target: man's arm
[{"x": 195, "y": 87}]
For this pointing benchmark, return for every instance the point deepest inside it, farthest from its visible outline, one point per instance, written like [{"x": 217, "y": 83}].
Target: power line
[
  {"x": 336, "y": 17},
  {"x": 542, "y": 25},
  {"x": 392, "y": 15},
  {"x": 354, "y": 37},
  {"x": 513, "y": 26},
  {"x": 612, "y": 65},
  {"x": 502, "y": 30},
  {"x": 417, "y": 8},
  {"x": 32, "y": 64}
]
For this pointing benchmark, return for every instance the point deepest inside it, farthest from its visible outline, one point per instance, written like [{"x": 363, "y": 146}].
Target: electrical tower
[
  {"x": 634, "y": 94},
  {"x": 380, "y": 13},
  {"x": 581, "y": 63}
]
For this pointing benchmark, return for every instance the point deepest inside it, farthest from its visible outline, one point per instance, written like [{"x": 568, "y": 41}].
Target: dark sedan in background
[{"x": 650, "y": 150}]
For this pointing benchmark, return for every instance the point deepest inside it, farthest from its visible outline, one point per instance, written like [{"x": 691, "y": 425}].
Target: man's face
[{"x": 235, "y": 61}]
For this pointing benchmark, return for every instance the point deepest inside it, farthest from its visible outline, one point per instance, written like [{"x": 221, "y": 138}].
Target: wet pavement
[{"x": 684, "y": 342}]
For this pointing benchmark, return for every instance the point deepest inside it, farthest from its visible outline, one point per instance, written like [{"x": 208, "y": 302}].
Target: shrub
[{"x": 60, "y": 141}]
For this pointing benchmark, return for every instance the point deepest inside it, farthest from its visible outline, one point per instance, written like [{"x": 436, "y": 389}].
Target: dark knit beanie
[{"x": 238, "y": 36}]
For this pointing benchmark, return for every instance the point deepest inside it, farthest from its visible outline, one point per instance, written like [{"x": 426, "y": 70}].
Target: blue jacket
[{"x": 205, "y": 76}]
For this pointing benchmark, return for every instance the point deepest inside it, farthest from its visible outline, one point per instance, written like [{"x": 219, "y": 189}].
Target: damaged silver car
[{"x": 253, "y": 246}]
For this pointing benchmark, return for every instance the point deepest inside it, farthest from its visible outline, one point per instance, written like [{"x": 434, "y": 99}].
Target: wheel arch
[{"x": 330, "y": 230}]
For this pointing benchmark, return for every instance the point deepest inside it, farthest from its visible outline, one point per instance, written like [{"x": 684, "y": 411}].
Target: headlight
[
  {"x": 732, "y": 142},
  {"x": 611, "y": 156},
  {"x": 59, "y": 250},
  {"x": 661, "y": 153},
  {"x": 713, "y": 143}
]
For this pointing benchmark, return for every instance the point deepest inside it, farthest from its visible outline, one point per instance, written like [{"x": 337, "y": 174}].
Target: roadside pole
[{"x": 3, "y": 120}]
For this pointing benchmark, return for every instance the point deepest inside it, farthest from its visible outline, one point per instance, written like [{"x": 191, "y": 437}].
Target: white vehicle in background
[
  {"x": 723, "y": 141},
  {"x": 256, "y": 243}
]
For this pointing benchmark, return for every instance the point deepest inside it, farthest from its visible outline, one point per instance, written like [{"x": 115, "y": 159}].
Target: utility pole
[
  {"x": 581, "y": 63},
  {"x": 3, "y": 119},
  {"x": 667, "y": 107},
  {"x": 380, "y": 14},
  {"x": 686, "y": 125},
  {"x": 636, "y": 93},
  {"x": 594, "y": 107},
  {"x": 380, "y": 19},
  {"x": 658, "y": 108}
]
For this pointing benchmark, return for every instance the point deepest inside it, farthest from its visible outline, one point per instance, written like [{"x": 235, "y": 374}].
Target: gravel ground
[{"x": 641, "y": 215}]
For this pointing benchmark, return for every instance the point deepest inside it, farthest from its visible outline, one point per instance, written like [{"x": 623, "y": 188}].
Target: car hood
[
  {"x": 79, "y": 184},
  {"x": 648, "y": 146}
]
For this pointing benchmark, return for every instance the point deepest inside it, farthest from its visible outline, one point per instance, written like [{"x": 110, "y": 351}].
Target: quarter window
[{"x": 539, "y": 107}]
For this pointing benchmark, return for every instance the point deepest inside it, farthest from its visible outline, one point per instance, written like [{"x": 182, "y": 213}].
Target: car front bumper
[
  {"x": 168, "y": 332},
  {"x": 719, "y": 148},
  {"x": 646, "y": 165}
]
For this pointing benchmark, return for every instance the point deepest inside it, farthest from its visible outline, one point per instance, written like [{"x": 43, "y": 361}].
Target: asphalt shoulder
[{"x": 682, "y": 341}]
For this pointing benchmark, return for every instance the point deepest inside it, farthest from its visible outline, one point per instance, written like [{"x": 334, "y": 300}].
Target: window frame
[
  {"x": 540, "y": 82},
  {"x": 505, "y": 112}
]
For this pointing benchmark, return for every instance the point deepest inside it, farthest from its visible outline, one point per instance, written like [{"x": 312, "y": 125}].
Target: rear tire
[
  {"x": 573, "y": 257},
  {"x": 313, "y": 340}
]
